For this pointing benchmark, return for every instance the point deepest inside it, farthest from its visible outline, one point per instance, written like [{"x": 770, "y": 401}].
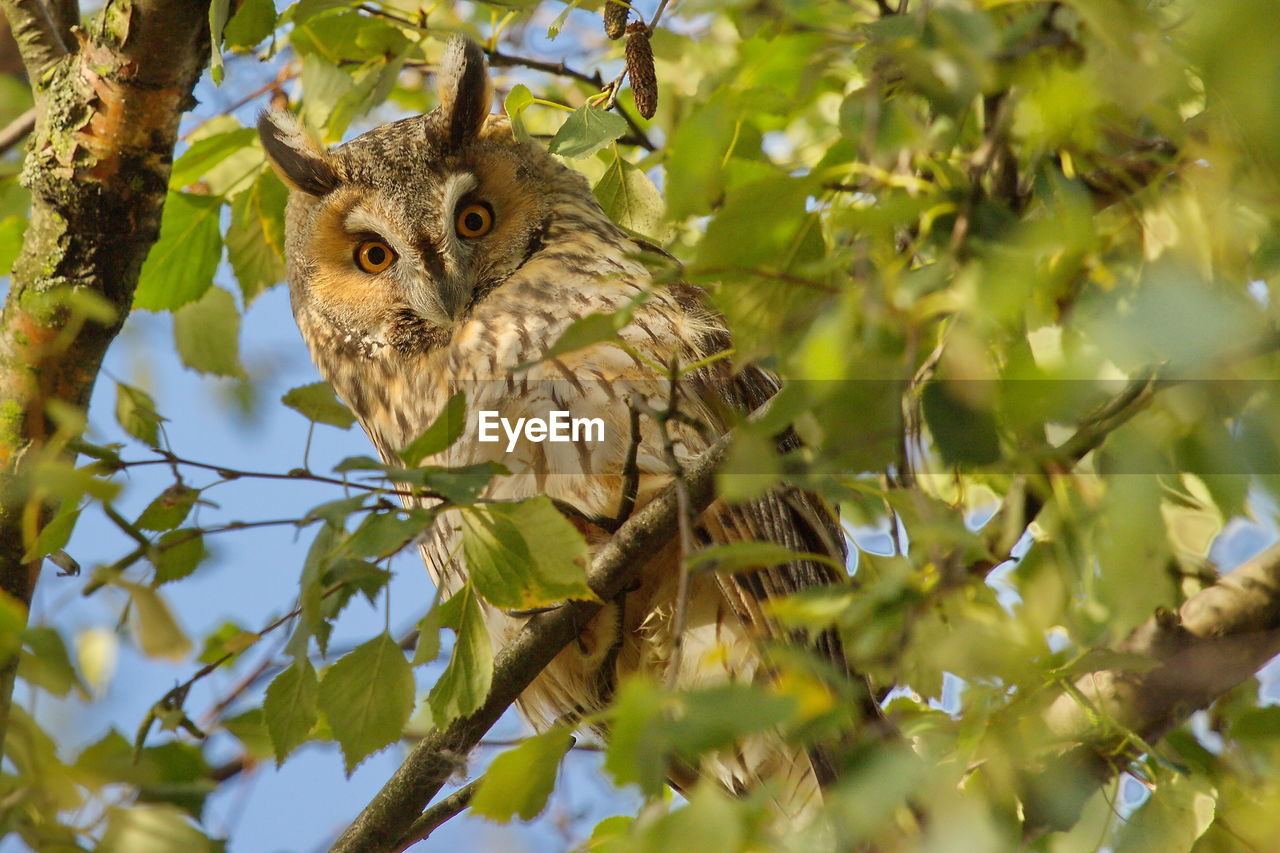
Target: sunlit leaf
[
  {"x": 586, "y": 131},
  {"x": 367, "y": 697},
  {"x": 317, "y": 402},
  {"x": 520, "y": 780},
  {"x": 180, "y": 266},
  {"x": 136, "y": 413},
  {"x": 158, "y": 632},
  {"x": 443, "y": 432},
  {"x": 177, "y": 554},
  {"x": 463, "y": 685},
  {"x": 629, "y": 198},
  {"x": 290, "y": 707},
  {"x": 255, "y": 235},
  {"x": 169, "y": 508},
  {"x": 525, "y": 554}
]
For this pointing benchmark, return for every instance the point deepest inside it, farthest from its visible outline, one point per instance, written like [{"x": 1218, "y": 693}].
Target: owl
[{"x": 440, "y": 254}]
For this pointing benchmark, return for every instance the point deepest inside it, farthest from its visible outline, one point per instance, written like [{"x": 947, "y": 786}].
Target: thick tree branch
[
  {"x": 386, "y": 822},
  {"x": 1217, "y": 639},
  {"x": 98, "y": 171},
  {"x": 38, "y": 38}
]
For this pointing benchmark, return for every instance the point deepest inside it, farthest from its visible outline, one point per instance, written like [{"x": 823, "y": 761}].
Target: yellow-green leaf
[
  {"x": 524, "y": 554},
  {"x": 520, "y": 780},
  {"x": 367, "y": 697}
]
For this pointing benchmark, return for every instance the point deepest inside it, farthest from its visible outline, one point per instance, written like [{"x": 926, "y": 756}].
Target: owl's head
[{"x": 395, "y": 235}]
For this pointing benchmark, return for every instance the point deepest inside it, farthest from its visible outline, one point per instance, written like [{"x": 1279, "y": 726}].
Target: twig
[
  {"x": 631, "y": 469},
  {"x": 385, "y": 821},
  {"x": 226, "y": 473},
  {"x": 17, "y": 130},
  {"x": 441, "y": 812}
]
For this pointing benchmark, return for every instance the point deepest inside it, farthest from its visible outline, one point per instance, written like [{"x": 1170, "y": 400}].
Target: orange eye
[
  {"x": 474, "y": 220},
  {"x": 374, "y": 256}
]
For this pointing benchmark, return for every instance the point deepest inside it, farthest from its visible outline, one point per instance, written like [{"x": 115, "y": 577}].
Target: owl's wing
[{"x": 802, "y": 522}]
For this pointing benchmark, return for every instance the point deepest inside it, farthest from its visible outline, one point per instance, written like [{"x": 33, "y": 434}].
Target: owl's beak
[{"x": 454, "y": 298}]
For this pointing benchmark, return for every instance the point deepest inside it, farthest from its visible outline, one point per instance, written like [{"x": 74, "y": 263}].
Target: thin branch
[
  {"x": 37, "y": 37},
  {"x": 441, "y": 812},
  {"x": 386, "y": 821},
  {"x": 17, "y": 130}
]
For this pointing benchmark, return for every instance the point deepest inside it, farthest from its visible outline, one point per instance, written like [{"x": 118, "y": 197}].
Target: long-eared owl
[{"x": 439, "y": 254}]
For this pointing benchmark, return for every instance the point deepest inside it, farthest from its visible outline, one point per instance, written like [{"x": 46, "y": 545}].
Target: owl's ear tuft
[
  {"x": 466, "y": 94},
  {"x": 299, "y": 160}
]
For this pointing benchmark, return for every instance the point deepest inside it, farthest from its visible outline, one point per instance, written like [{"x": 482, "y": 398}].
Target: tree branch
[
  {"x": 38, "y": 40},
  {"x": 98, "y": 171},
  {"x": 17, "y": 130},
  {"x": 1216, "y": 640},
  {"x": 386, "y": 822}
]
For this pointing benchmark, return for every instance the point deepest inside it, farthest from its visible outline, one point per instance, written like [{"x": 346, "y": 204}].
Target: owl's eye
[
  {"x": 474, "y": 220},
  {"x": 374, "y": 256}
]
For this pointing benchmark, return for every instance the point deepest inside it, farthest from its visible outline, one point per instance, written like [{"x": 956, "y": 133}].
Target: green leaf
[
  {"x": 525, "y": 554},
  {"x": 772, "y": 211},
  {"x": 335, "y": 513},
  {"x": 317, "y": 402},
  {"x": 207, "y": 152},
  {"x": 207, "y": 334},
  {"x": 427, "y": 649},
  {"x": 443, "y": 432},
  {"x": 311, "y": 620},
  {"x": 377, "y": 78},
  {"x": 520, "y": 780},
  {"x": 586, "y": 131},
  {"x": 218, "y": 12},
  {"x": 324, "y": 84},
  {"x": 367, "y": 697},
  {"x": 696, "y": 154},
  {"x": 136, "y": 414},
  {"x": 250, "y": 728},
  {"x": 557, "y": 24},
  {"x": 383, "y": 534},
  {"x": 747, "y": 556},
  {"x": 345, "y": 37},
  {"x": 229, "y": 638},
  {"x": 158, "y": 633},
  {"x": 177, "y": 554},
  {"x": 180, "y": 266},
  {"x": 255, "y": 235},
  {"x": 638, "y": 745},
  {"x": 54, "y": 535},
  {"x": 463, "y": 685},
  {"x": 591, "y": 329},
  {"x": 517, "y": 101},
  {"x": 461, "y": 485},
  {"x": 290, "y": 707},
  {"x": 153, "y": 829},
  {"x": 254, "y": 21},
  {"x": 169, "y": 508},
  {"x": 1178, "y": 812},
  {"x": 630, "y": 199},
  {"x": 45, "y": 662},
  {"x": 12, "y": 230},
  {"x": 963, "y": 433}
]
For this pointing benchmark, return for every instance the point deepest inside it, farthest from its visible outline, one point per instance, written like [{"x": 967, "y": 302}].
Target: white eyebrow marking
[{"x": 455, "y": 187}]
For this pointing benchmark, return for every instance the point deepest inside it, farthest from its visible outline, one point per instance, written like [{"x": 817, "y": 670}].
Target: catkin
[
  {"x": 615, "y": 18},
  {"x": 644, "y": 79}
]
